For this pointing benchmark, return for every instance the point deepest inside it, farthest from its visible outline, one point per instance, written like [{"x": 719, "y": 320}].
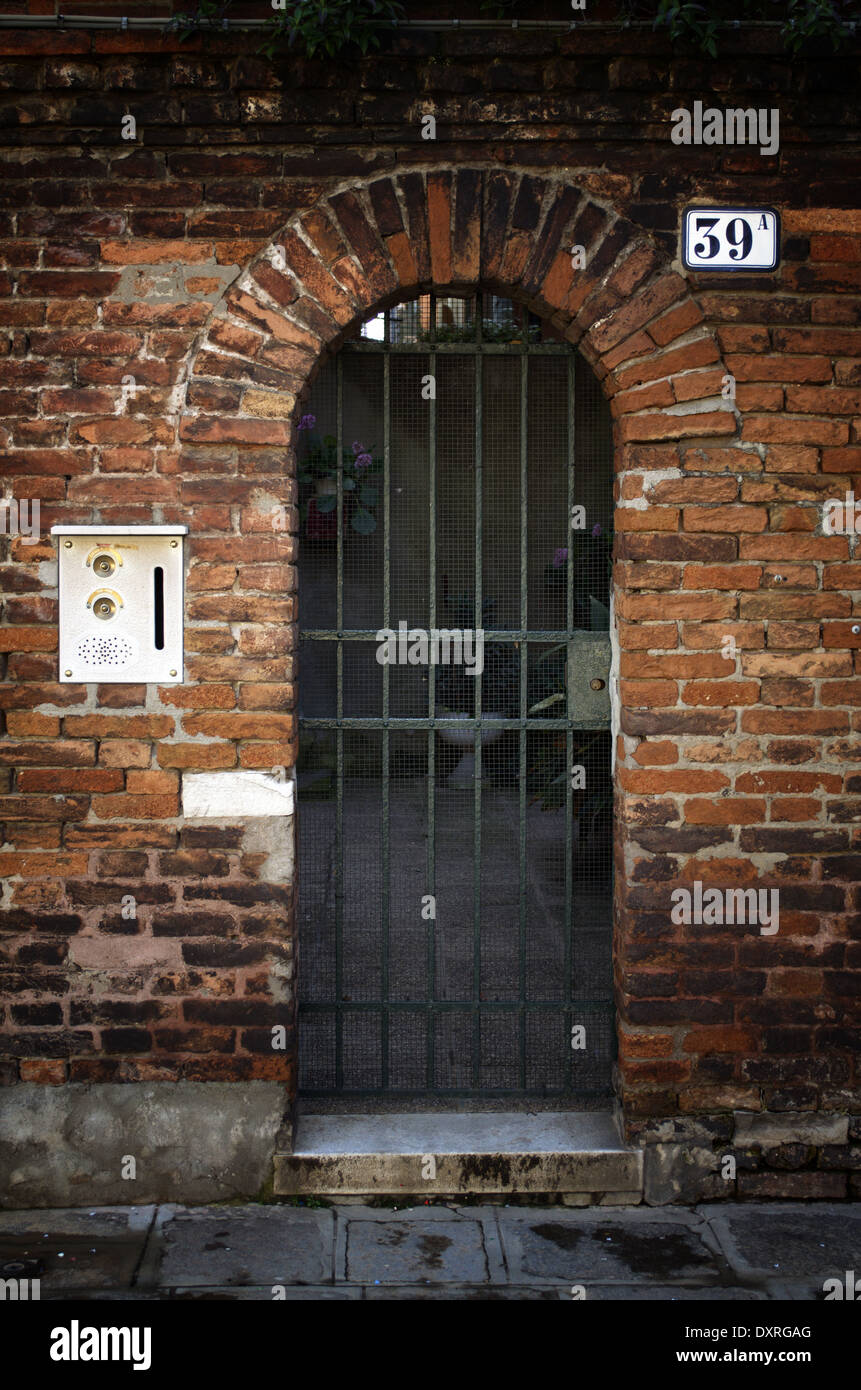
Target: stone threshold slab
[{"x": 457, "y": 1153}]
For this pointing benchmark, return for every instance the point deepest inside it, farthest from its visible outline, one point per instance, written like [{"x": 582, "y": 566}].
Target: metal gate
[{"x": 455, "y": 820}]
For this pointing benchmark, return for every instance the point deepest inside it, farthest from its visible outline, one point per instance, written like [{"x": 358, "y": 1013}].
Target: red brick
[{"x": 727, "y": 811}]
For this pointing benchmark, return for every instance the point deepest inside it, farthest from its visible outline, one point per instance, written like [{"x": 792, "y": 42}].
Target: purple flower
[
  {"x": 596, "y": 529},
  {"x": 364, "y": 461},
  {"x": 357, "y": 447},
  {"x": 307, "y": 422},
  {"x": 560, "y": 557}
]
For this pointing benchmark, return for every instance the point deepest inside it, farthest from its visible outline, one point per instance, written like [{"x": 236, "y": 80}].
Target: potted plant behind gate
[{"x": 319, "y": 467}]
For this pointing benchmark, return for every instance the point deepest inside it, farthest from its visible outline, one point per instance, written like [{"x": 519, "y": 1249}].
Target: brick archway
[
  {"x": 629, "y": 312},
  {"x": 636, "y": 322}
]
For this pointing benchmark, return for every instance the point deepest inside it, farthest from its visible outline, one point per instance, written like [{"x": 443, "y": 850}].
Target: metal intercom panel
[{"x": 121, "y": 603}]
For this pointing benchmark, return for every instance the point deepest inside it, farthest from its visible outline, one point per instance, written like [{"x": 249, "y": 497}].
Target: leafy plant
[
  {"x": 360, "y": 473},
  {"x": 689, "y": 21},
  {"x": 210, "y": 14},
  {"x": 589, "y": 556},
  {"x": 811, "y": 19},
  {"x": 329, "y": 26},
  {"x": 801, "y": 20}
]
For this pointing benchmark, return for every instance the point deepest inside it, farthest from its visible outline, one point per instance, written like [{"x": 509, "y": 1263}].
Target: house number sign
[{"x": 730, "y": 239}]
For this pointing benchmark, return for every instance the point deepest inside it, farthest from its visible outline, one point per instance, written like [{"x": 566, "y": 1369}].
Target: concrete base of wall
[
  {"x": 188, "y": 1141},
  {"x": 107, "y": 1144}
]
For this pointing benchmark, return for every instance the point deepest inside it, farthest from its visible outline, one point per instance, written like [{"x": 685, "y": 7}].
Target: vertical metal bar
[
  {"x": 431, "y": 775},
  {"x": 339, "y": 736},
  {"x": 568, "y": 927},
  {"x": 524, "y": 652},
  {"x": 386, "y": 866},
  {"x": 477, "y": 623}
]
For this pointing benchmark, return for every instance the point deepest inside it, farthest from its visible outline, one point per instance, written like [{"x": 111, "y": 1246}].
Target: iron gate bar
[
  {"x": 430, "y": 1027},
  {"x": 339, "y": 673},
  {"x": 359, "y": 721},
  {"x": 468, "y": 1001},
  {"x": 421, "y": 346},
  {"x": 568, "y": 944},
  {"x": 478, "y": 376},
  {"x": 386, "y": 827},
  {"x": 524, "y": 651},
  {"x": 449, "y": 1005},
  {"x": 512, "y": 634}
]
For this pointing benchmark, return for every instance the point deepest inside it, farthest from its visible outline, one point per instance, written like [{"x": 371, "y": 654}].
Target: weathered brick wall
[{"x": 155, "y": 260}]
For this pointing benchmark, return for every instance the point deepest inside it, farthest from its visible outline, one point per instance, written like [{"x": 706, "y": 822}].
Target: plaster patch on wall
[
  {"x": 229, "y": 795},
  {"x": 273, "y": 842},
  {"x": 99, "y": 954},
  {"x": 163, "y": 283}
]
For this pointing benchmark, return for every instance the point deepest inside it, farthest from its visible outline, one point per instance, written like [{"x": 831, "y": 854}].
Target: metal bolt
[
  {"x": 174, "y": 544},
  {"x": 778, "y": 579},
  {"x": 596, "y": 684},
  {"x": 68, "y": 545},
  {"x": 67, "y": 673},
  {"x": 173, "y": 673},
  {"x": 856, "y": 629}
]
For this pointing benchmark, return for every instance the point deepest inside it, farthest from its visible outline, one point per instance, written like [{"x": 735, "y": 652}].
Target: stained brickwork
[{"x": 264, "y": 210}]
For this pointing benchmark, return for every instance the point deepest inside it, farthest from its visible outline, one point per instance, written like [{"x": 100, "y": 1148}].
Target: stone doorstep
[{"x": 390, "y": 1155}]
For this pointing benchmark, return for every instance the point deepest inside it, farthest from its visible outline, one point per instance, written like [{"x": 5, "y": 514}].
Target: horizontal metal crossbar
[
  {"x": 421, "y": 347},
  {"x": 565, "y": 1007},
  {"x": 442, "y": 722},
  {"x": 358, "y": 634}
]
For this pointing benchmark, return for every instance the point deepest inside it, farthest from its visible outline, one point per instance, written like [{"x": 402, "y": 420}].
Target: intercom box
[{"x": 121, "y": 603}]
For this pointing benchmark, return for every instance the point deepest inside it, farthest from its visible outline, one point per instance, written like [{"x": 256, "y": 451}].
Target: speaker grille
[{"x": 105, "y": 651}]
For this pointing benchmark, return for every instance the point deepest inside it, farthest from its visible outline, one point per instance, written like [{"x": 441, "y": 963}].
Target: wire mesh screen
[{"x": 455, "y": 809}]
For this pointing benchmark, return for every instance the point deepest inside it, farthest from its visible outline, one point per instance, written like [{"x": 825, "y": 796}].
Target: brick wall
[{"x": 156, "y": 259}]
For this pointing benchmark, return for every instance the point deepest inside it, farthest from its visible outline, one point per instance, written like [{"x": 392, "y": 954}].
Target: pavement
[{"x": 760, "y": 1251}]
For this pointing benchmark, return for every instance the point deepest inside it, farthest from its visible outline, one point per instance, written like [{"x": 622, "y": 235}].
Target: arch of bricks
[{"x": 633, "y": 318}]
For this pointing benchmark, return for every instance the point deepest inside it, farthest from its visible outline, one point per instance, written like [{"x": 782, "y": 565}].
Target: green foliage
[
  {"x": 331, "y": 27},
  {"x": 359, "y": 470},
  {"x": 802, "y": 21},
  {"x": 689, "y": 21},
  {"x": 812, "y": 19},
  {"x": 209, "y": 15}
]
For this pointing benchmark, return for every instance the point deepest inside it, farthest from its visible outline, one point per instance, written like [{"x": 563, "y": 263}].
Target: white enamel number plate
[{"x": 730, "y": 239}]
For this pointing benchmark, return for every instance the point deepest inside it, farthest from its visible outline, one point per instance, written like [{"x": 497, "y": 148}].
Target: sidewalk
[{"x": 760, "y": 1251}]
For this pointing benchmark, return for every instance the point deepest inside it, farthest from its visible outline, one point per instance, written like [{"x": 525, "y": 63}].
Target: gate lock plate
[{"x": 589, "y": 680}]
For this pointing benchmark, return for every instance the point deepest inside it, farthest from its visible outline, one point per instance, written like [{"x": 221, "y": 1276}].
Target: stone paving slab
[
  {"x": 416, "y": 1251},
  {"x": 671, "y": 1293},
  {"x": 782, "y": 1240},
  {"x": 483, "y": 1293},
  {"x": 89, "y": 1248},
  {"x": 298, "y": 1293},
  {"x": 590, "y": 1246},
  {"x": 246, "y": 1245}
]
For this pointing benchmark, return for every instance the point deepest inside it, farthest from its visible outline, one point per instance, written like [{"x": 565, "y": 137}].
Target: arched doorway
[{"x": 455, "y": 804}]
